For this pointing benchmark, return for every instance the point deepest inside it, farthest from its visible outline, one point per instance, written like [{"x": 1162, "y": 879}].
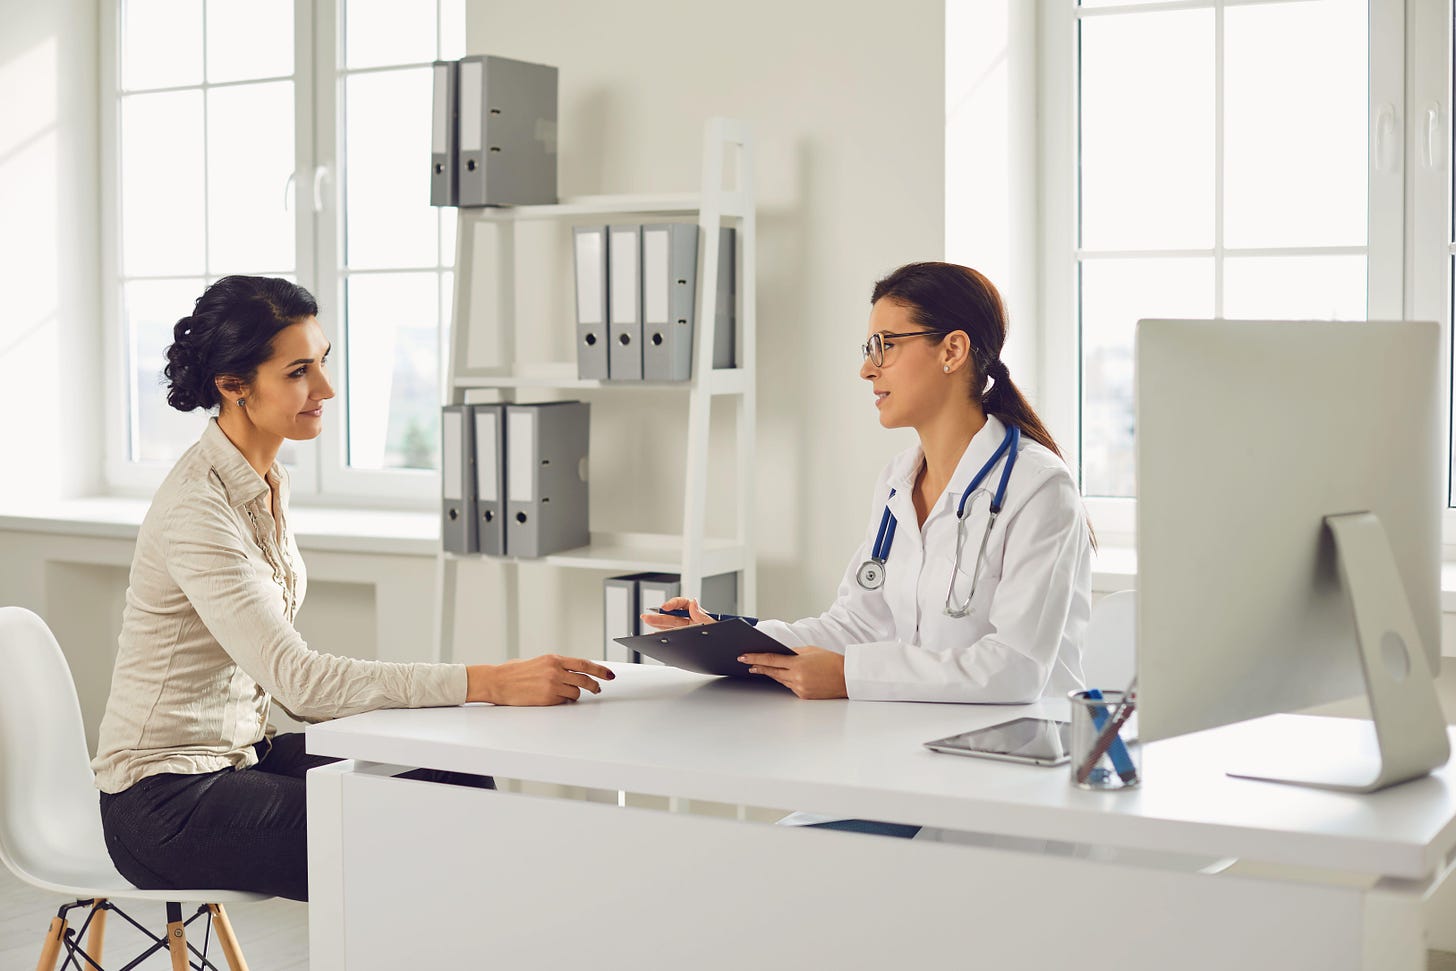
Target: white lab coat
[{"x": 1023, "y": 637}]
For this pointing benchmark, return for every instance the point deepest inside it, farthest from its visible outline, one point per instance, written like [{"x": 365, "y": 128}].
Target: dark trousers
[{"x": 229, "y": 830}]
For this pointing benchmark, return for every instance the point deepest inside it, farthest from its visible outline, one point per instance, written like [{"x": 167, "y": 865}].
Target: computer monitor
[{"x": 1259, "y": 588}]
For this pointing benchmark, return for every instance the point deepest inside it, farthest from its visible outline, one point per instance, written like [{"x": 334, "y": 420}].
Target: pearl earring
[{"x": 946, "y": 369}]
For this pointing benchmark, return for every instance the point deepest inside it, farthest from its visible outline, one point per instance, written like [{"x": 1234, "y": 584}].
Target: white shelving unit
[{"x": 482, "y": 358}]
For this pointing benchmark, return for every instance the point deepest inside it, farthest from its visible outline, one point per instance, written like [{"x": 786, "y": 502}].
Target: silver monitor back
[{"x": 1248, "y": 434}]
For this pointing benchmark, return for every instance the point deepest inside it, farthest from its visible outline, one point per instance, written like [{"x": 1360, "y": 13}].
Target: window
[
  {"x": 282, "y": 138},
  {"x": 1209, "y": 158},
  {"x": 1222, "y": 172}
]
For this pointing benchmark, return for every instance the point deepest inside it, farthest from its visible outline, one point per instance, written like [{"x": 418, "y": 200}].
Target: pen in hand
[{"x": 686, "y": 615}]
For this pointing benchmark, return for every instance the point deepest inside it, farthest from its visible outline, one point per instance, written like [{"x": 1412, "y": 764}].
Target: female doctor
[{"x": 973, "y": 581}]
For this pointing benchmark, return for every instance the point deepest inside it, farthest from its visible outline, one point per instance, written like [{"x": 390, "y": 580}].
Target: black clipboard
[{"x": 706, "y": 648}]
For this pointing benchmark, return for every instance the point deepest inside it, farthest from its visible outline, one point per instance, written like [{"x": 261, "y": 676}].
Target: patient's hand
[
  {"x": 547, "y": 680},
  {"x": 695, "y": 616}
]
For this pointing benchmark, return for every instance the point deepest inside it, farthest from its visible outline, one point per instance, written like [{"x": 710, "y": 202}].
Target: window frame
[
  {"x": 1391, "y": 207},
  {"x": 320, "y": 471}
]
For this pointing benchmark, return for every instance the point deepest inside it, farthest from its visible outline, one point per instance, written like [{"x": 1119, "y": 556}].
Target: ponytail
[{"x": 1005, "y": 400}]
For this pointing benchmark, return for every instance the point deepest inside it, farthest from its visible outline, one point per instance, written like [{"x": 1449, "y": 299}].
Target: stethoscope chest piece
[{"x": 871, "y": 574}]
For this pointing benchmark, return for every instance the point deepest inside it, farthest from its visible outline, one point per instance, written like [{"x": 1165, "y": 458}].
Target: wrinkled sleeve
[
  {"x": 245, "y": 614},
  {"x": 1045, "y": 542}
]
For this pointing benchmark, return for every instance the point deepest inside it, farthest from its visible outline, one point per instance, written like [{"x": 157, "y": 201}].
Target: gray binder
[
  {"x": 444, "y": 135},
  {"x": 457, "y": 480},
  {"x": 490, "y": 478},
  {"x": 719, "y": 595},
  {"x": 619, "y": 616},
  {"x": 669, "y": 300},
  {"x": 546, "y": 490},
  {"x": 589, "y": 246},
  {"x": 507, "y": 132},
  {"x": 624, "y": 318}
]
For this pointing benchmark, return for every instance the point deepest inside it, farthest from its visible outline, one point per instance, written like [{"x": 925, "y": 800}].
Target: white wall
[
  {"x": 847, "y": 104},
  {"x": 50, "y": 332}
]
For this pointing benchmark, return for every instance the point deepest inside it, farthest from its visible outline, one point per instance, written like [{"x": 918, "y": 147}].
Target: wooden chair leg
[
  {"x": 227, "y": 939},
  {"x": 176, "y": 937},
  {"x": 96, "y": 936},
  {"x": 52, "y": 948}
]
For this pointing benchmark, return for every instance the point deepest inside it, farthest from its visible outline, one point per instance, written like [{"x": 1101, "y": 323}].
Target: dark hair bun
[{"x": 186, "y": 391}]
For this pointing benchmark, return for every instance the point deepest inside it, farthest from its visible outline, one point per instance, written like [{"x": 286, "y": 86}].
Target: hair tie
[{"x": 997, "y": 369}]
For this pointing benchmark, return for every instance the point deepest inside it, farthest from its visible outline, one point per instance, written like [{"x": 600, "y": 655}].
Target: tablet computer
[
  {"x": 706, "y": 648},
  {"x": 1038, "y": 741}
]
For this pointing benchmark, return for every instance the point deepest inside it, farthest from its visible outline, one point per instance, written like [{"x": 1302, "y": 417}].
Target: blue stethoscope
[{"x": 871, "y": 573}]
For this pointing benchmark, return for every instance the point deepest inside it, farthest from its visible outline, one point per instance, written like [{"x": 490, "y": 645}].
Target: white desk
[{"x": 411, "y": 874}]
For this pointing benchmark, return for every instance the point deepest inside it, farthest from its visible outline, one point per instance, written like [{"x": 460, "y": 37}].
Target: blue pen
[
  {"x": 1117, "y": 751},
  {"x": 752, "y": 621}
]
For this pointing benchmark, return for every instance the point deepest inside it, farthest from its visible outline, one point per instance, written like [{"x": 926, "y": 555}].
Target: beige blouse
[{"x": 207, "y": 638}]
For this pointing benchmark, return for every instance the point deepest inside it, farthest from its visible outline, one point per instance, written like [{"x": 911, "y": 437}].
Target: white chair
[
  {"x": 1109, "y": 647},
  {"x": 50, "y": 821}
]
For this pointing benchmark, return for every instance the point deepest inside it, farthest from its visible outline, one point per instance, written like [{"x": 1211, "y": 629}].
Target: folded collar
[{"x": 240, "y": 481}]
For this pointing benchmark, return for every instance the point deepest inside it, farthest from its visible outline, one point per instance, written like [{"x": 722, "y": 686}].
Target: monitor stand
[{"x": 1406, "y": 737}]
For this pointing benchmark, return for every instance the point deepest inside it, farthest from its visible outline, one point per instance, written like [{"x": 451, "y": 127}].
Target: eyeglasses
[{"x": 874, "y": 348}]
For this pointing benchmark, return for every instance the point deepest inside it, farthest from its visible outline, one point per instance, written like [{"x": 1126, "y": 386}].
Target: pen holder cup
[{"x": 1105, "y": 754}]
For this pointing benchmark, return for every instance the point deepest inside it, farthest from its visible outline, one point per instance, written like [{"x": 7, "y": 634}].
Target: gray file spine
[
  {"x": 508, "y": 137},
  {"x": 457, "y": 480},
  {"x": 619, "y": 616},
  {"x": 546, "y": 488},
  {"x": 669, "y": 287},
  {"x": 490, "y": 478},
  {"x": 670, "y": 296},
  {"x": 589, "y": 247},
  {"x": 624, "y": 319},
  {"x": 444, "y": 135}
]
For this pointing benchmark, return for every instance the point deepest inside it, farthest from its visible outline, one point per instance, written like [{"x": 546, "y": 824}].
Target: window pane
[
  {"x": 452, "y": 29},
  {"x": 390, "y": 222},
  {"x": 249, "y": 39},
  {"x": 1295, "y": 143},
  {"x": 1147, "y": 130},
  {"x": 150, "y": 308},
  {"x": 393, "y": 370},
  {"x": 250, "y": 156},
  {"x": 1116, "y": 294},
  {"x": 1294, "y": 287},
  {"x": 382, "y": 32},
  {"x": 161, "y": 184},
  {"x": 161, "y": 43}
]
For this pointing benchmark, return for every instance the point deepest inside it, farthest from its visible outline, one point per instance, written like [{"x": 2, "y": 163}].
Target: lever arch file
[
  {"x": 546, "y": 479},
  {"x": 670, "y": 297},
  {"x": 490, "y": 478},
  {"x": 507, "y": 132},
  {"x": 457, "y": 480},
  {"x": 624, "y": 327},
  {"x": 444, "y": 135},
  {"x": 590, "y": 253}
]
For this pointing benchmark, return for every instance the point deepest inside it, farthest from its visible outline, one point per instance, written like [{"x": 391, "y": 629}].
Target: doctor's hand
[
  {"x": 546, "y": 680},
  {"x": 696, "y": 615},
  {"x": 812, "y": 673}
]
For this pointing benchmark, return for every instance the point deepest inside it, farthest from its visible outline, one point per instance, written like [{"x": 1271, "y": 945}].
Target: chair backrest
[
  {"x": 1109, "y": 648},
  {"x": 48, "y": 800}
]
